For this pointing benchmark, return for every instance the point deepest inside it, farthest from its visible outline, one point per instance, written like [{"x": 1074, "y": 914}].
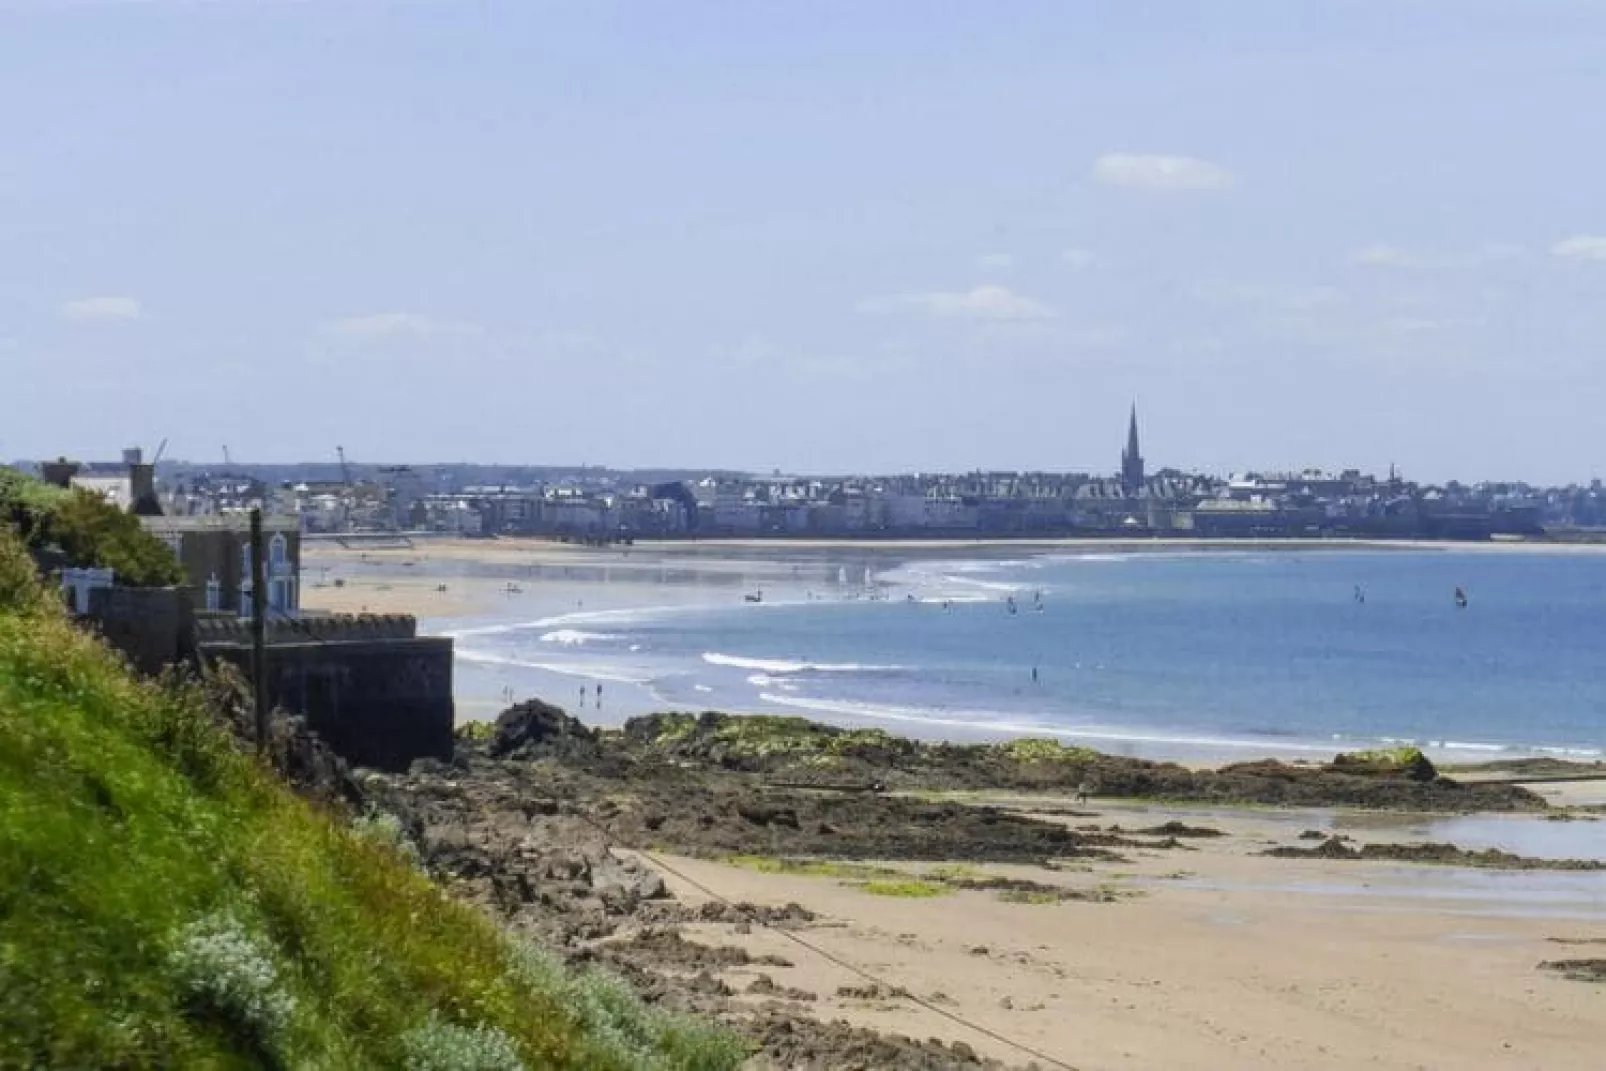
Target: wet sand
[
  {"x": 1213, "y": 958},
  {"x": 492, "y": 584}
]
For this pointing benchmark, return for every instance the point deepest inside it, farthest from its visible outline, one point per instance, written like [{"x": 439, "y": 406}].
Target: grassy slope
[{"x": 127, "y": 816}]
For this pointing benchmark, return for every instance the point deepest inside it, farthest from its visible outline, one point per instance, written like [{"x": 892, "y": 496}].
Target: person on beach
[
  {"x": 599, "y": 695},
  {"x": 582, "y": 697},
  {"x": 1083, "y": 791}
]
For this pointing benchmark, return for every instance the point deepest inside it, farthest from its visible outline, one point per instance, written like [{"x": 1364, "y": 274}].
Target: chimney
[
  {"x": 60, "y": 471},
  {"x": 141, "y": 485}
]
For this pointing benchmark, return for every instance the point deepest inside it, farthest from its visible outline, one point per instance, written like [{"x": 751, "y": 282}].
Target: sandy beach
[
  {"x": 1211, "y": 958},
  {"x": 550, "y": 577},
  {"x": 1019, "y": 928}
]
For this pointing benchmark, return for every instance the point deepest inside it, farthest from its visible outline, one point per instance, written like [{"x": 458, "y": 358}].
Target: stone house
[{"x": 215, "y": 552}]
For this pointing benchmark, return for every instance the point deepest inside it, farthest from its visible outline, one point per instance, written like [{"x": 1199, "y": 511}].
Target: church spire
[{"x": 1132, "y": 459}]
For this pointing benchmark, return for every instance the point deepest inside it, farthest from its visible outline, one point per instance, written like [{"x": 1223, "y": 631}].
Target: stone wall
[
  {"x": 330, "y": 628},
  {"x": 369, "y": 685},
  {"x": 377, "y": 702},
  {"x": 154, "y": 627}
]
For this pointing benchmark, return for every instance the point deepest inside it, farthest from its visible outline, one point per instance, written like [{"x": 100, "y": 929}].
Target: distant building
[{"x": 1132, "y": 460}]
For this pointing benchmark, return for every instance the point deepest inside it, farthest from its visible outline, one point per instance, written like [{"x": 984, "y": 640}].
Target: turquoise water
[{"x": 1145, "y": 653}]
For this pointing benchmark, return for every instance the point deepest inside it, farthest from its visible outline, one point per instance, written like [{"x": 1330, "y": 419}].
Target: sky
[{"x": 832, "y": 236}]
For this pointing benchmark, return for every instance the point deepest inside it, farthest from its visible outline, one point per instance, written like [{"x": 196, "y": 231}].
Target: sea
[{"x": 1200, "y": 655}]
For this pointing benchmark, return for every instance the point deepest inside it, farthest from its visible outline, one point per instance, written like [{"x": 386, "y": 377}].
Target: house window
[
  {"x": 278, "y": 552},
  {"x": 214, "y": 593},
  {"x": 245, "y": 579}
]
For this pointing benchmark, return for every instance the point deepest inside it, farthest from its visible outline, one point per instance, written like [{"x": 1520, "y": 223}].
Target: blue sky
[{"x": 820, "y": 236}]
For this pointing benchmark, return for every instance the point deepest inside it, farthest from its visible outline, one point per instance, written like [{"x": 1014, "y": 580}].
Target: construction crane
[
  {"x": 160, "y": 450},
  {"x": 345, "y": 469}
]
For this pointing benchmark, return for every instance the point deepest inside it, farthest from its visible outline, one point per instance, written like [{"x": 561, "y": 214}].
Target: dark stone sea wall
[{"x": 382, "y": 703}]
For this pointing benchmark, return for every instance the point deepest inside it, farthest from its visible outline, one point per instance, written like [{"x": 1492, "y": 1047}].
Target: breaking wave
[
  {"x": 782, "y": 667},
  {"x": 573, "y": 637}
]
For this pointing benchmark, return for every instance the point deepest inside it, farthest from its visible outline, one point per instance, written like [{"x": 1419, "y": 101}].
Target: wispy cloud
[
  {"x": 1268, "y": 296},
  {"x": 1581, "y": 247},
  {"x": 1383, "y": 255},
  {"x": 1164, "y": 174},
  {"x": 995, "y": 262},
  {"x": 982, "y": 303},
  {"x": 395, "y": 325},
  {"x": 101, "y": 308},
  {"x": 1078, "y": 258}
]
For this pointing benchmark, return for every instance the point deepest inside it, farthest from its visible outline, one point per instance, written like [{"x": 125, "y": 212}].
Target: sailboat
[{"x": 1460, "y": 598}]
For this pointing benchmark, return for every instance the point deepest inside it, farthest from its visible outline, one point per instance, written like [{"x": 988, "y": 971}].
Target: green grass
[
  {"x": 1032, "y": 749},
  {"x": 166, "y": 902},
  {"x": 953, "y": 872},
  {"x": 909, "y": 889},
  {"x": 475, "y": 731},
  {"x": 811, "y": 868},
  {"x": 1029, "y": 896},
  {"x": 1388, "y": 756},
  {"x": 768, "y": 736}
]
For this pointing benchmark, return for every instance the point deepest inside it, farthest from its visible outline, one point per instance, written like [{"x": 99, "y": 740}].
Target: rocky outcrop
[
  {"x": 795, "y": 752},
  {"x": 534, "y": 729},
  {"x": 1439, "y": 854},
  {"x": 1408, "y": 763},
  {"x": 306, "y": 762}
]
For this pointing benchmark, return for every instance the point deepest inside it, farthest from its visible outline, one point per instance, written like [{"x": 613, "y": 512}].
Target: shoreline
[
  {"x": 572, "y": 592},
  {"x": 525, "y": 544}
]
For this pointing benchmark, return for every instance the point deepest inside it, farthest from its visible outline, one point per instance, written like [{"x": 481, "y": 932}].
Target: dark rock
[
  {"x": 763, "y": 815},
  {"x": 764, "y": 985},
  {"x": 1180, "y": 829},
  {"x": 873, "y": 991},
  {"x": 310, "y": 765},
  {"x": 1331, "y": 848},
  {"x": 534, "y": 728},
  {"x": 1579, "y": 970},
  {"x": 1409, "y": 763},
  {"x": 1439, "y": 854}
]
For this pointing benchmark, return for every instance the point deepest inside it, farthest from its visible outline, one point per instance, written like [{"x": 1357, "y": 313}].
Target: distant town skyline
[{"x": 823, "y": 238}]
